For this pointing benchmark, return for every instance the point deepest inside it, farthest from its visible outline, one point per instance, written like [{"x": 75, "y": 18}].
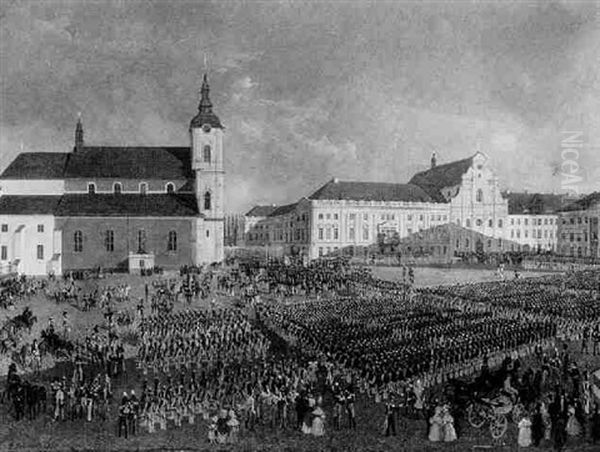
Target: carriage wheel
[
  {"x": 476, "y": 415},
  {"x": 517, "y": 412},
  {"x": 498, "y": 425}
]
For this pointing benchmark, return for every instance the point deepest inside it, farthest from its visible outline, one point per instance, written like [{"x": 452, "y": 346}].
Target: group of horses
[{"x": 25, "y": 399}]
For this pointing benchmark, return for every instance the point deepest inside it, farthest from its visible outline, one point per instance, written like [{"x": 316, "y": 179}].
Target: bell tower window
[
  {"x": 206, "y": 153},
  {"x": 207, "y": 201},
  {"x": 479, "y": 196}
]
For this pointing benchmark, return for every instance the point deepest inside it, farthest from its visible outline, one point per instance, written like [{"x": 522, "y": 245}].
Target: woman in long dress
[
  {"x": 448, "y": 425},
  {"x": 524, "y": 439},
  {"x": 234, "y": 426},
  {"x": 318, "y": 423},
  {"x": 435, "y": 431},
  {"x": 573, "y": 425}
]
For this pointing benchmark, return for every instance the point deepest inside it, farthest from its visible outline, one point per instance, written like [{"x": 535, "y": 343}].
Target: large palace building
[
  {"x": 116, "y": 207},
  {"x": 341, "y": 216}
]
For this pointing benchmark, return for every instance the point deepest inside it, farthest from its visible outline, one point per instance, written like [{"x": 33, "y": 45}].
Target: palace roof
[
  {"x": 370, "y": 191},
  {"x": 533, "y": 203},
  {"x": 261, "y": 211},
  {"x": 282, "y": 210},
  {"x": 584, "y": 203}
]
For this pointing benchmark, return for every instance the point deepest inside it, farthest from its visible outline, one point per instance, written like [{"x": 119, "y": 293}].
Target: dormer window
[
  {"x": 117, "y": 188},
  {"x": 170, "y": 188},
  {"x": 143, "y": 188},
  {"x": 91, "y": 188},
  {"x": 206, "y": 153}
]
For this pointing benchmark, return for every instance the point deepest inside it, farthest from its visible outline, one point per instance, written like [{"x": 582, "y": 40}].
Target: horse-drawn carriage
[
  {"x": 495, "y": 412},
  {"x": 484, "y": 402}
]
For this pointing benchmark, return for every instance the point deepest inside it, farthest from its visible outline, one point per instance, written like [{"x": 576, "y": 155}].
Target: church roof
[
  {"x": 370, "y": 191},
  {"x": 135, "y": 205},
  {"x": 28, "y": 204},
  {"x": 36, "y": 165},
  {"x": 130, "y": 163},
  {"x": 123, "y": 162},
  {"x": 533, "y": 203},
  {"x": 435, "y": 179},
  {"x": 261, "y": 211}
]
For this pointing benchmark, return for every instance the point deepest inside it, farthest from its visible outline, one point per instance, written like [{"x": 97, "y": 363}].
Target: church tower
[{"x": 206, "y": 133}]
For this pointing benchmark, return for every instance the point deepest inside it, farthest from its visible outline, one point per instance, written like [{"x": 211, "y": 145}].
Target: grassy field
[{"x": 435, "y": 276}]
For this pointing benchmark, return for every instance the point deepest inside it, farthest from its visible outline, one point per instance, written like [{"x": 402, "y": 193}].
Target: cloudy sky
[{"x": 311, "y": 90}]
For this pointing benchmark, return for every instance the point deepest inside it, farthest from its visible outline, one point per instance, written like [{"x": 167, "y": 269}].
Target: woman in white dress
[
  {"x": 234, "y": 427},
  {"x": 435, "y": 430},
  {"x": 448, "y": 425},
  {"x": 524, "y": 439},
  {"x": 318, "y": 423}
]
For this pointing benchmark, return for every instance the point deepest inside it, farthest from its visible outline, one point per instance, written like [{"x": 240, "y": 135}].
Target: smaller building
[
  {"x": 578, "y": 227},
  {"x": 235, "y": 230},
  {"x": 533, "y": 220},
  {"x": 444, "y": 243}
]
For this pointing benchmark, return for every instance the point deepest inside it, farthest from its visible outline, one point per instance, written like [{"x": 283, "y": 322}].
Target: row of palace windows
[
  {"x": 383, "y": 216},
  {"x": 479, "y": 222},
  {"x": 118, "y": 188},
  {"x": 109, "y": 241},
  {"x": 534, "y": 233},
  {"x": 534, "y": 221},
  {"x": 572, "y": 220},
  {"x": 573, "y": 237}
]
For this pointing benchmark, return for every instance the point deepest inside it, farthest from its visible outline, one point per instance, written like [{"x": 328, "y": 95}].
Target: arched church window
[
  {"x": 468, "y": 223},
  {"x": 141, "y": 241},
  {"x": 170, "y": 188},
  {"x": 143, "y": 188},
  {"x": 207, "y": 201},
  {"x": 172, "y": 242},
  {"x": 117, "y": 188},
  {"x": 479, "y": 196},
  {"x": 91, "y": 188},
  {"x": 206, "y": 153},
  {"x": 78, "y": 241}
]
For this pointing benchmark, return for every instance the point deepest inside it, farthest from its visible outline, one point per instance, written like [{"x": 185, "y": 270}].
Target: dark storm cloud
[{"x": 308, "y": 90}]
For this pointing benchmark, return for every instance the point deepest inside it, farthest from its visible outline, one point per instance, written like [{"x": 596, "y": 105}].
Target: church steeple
[
  {"x": 205, "y": 114},
  {"x": 79, "y": 143},
  {"x": 205, "y": 104}
]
